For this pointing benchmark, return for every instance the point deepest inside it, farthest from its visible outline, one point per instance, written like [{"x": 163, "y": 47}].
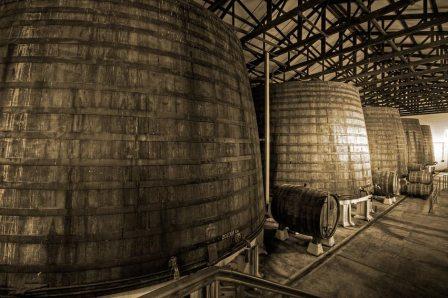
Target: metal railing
[{"x": 214, "y": 281}]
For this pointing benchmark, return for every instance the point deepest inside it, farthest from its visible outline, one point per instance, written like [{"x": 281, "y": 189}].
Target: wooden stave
[{"x": 218, "y": 169}]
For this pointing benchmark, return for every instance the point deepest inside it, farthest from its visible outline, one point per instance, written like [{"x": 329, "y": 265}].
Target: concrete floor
[
  {"x": 403, "y": 254},
  {"x": 287, "y": 259}
]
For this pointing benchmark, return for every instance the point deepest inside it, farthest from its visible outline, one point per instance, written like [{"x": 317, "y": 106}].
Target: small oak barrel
[
  {"x": 428, "y": 146},
  {"x": 318, "y": 137},
  {"x": 387, "y": 140},
  {"x": 306, "y": 211},
  {"x": 424, "y": 177},
  {"x": 419, "y": 189},
  {"x": 403, "y": 185},
  {"x": 128, "y": 136},
  {"x": 386, "y": 183},
  {"x": 415, "y": 167},
  {"x": 414, "y": 140}
]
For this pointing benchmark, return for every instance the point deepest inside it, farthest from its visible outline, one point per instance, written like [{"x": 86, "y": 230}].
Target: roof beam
[
  {"x": 262, "y": 28},
  {"x": 379, "y": 40}
]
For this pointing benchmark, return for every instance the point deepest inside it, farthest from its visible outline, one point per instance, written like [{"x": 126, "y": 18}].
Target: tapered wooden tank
[
  {"x": 128, "y": 136},
  {"x": 414, "y": 141},
  {"x": 387, "y": 141},
  {"x": 428, "y": 147},
  {"x": 319, "y": 137}
]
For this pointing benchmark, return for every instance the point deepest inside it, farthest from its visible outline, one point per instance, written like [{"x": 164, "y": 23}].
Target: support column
[{"x": 267, "y": 136}]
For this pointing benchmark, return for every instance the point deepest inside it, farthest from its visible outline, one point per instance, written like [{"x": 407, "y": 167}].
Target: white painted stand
[
  {"x": 328, "y": 242},
  {"x": 363, "y": 207},
  {"x": 282, "y": 235},
  {"x": 345, "y": 218},
  {"x": 315, "y": 249},
  {"x": 388, "y": 201}
]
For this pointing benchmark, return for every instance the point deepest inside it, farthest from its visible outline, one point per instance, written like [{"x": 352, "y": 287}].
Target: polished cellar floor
[{"x": 403, "y": 254}]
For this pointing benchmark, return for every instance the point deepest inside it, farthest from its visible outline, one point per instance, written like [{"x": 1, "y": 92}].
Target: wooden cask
[
  {"x": 414, "y": 140},
  {"x": 387, "y": 140},
  {"x": 415, "y": 167},
  {"x": 419, "y": 190},
  {"x": 318, "y": 137},
  {"x": 423, "y": 177},
  {"x": 306, "y": 211},
  {"x": 386, "y": 183},
  {"x": 128, "y": 137},
  {"x": 428, "y": 147}
]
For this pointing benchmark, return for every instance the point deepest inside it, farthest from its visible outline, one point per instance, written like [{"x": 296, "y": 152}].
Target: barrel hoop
[
  {"x": 82, "y": 162},
  {"x": 144, "y": 49},
  {"x": 102, "y": 211},
  {"x": 120, "y": 137},
  {"x": 117, "y": 14},
  {"x": 59, "y": 239},
  {"x": 116, "y": 28},
  {"x": 138, "y": 114},
  {"x": 126, "y": 66},
  {"x": 48, "y": 268},
  {"x": 83, "y": 185},
  {"x": 151, "y": 8},
  {"x": 40, "y": 85}
]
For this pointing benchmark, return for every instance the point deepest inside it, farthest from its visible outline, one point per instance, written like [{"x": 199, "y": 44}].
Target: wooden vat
[
  {"x": 414, "y": 141},
  {"x": 318, "y": 137},
  {"x": 428, "y": 147},
  {"x": 387, "y": 140},
  {"x": 128, "y": 138}
]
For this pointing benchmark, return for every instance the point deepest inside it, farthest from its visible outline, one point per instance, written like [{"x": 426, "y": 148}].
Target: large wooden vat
[
  {"x": 428, "y": 147},
  {"x": 414, "y": 140},
  {"x": 319, "y": 137},
  {"x": 128, "y": 137},
  {"x": 387, "y": 140},
  {"x": 305, "y": 210}
]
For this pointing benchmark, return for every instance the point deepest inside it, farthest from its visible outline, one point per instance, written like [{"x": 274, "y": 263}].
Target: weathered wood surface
[
  {"x": 128, "y": 135},
  {"x": 387, "y": 140},
  {"x": 414, "y": 140},
  {"x": 428, "y": 146},
  {"x": 318, "y": 137}
]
